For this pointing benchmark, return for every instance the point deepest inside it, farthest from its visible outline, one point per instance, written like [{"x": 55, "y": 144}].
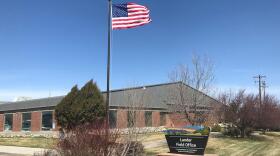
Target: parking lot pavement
[{"x": 18, "y": 151}]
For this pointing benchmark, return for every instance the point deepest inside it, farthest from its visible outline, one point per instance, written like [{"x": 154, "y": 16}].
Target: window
[
  {"x": 8, "y": 122},
  {"x": 162, "y": 118},
  {"x": 26, "y": 121},
  {"x": 148, "y": 118},
  {"x": 47, "y": 120},
  {"x": 113, "y": 118},
  {"x": 131, "y": 118}
]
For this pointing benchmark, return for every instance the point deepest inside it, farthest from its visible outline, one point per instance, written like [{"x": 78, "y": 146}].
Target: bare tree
[
  {"x": 136, "y": 104},
  {"x": 225, "y": 98},
  {"x": 269, "y": 113},
  {"x": 189, "y": 97},
  {"x": 241, "y": 111}
]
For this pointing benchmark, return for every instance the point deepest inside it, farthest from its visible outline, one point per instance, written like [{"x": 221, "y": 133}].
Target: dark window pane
[
  {"x": 8, "y": 122},
  {"x": 148, "y": 119},
  {"x": 113, "y": 118},
  {"x": 162, "y": 118},
  {"x": 131, "y": 118},
  {"x": 47, "y": 120},
  {"x": 26, "y": 121}
]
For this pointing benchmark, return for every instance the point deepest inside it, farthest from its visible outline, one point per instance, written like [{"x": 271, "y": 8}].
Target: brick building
[{"x": 149, "y": 106}]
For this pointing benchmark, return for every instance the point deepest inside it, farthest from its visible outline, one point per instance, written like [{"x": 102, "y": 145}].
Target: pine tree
[
  {"x": 63, "y": 111},
  {"x": 81, "y": 106},
  {"x": 89, "y": 105}
]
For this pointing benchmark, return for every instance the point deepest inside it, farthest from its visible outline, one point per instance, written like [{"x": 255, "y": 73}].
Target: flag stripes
[{"x": 129, "y": 15}]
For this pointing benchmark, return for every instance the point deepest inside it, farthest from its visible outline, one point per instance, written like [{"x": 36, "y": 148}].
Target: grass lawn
[
  {"x": 36, "y": 142},
  {"x": 266, "y": 145},
  {"x": 262, "y": 145}
]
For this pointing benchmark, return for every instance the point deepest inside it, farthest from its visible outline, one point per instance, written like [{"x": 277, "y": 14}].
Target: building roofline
[
  {"x": 141, "y": 87},
  {"x": 124, "y": 89},
  {"x": 45, "y": 98},
  {"x": 103, "y": 92},
  {"x": 199, "y": 91}
]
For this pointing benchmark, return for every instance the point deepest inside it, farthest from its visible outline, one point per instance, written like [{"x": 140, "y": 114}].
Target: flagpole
[
  {"x": 108, "y": 62},
  {"x": 108, "y": 75}
]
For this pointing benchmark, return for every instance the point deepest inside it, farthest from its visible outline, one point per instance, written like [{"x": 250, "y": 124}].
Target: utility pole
[{"x": 259, "y": 80}]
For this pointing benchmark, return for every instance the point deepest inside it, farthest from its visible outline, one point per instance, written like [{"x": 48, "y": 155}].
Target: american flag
[{"x": 129, "y": 15}]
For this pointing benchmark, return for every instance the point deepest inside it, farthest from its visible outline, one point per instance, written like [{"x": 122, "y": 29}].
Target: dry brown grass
[
  {"x": 263, "y": 145},
  {"x": 36, "y": 142},
  {"x": 266, "y": 145}
]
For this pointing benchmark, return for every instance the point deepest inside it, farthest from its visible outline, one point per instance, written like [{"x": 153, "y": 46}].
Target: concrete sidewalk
[{"x": 19, "y": 151}]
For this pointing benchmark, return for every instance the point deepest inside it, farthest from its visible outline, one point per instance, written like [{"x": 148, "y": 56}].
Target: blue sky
[{"x": 49, "y": 46}]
